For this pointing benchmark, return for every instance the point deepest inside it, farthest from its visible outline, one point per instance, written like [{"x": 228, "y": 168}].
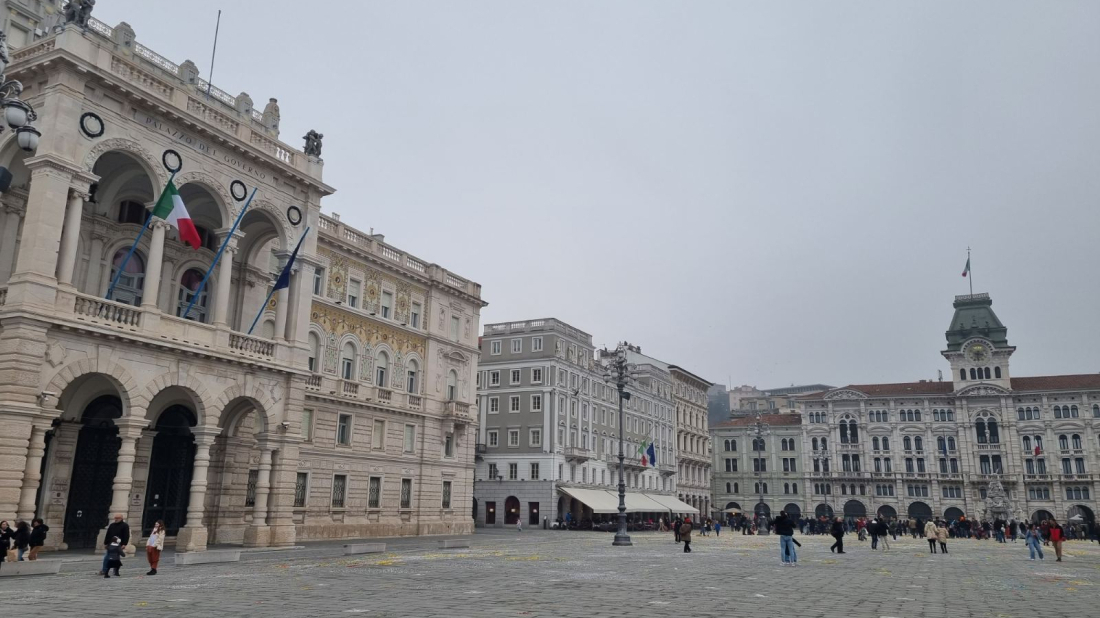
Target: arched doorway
[
  {"x": 234, "y": 472},
  {"x": 920, "y": 510},
  {"x": 953, "y": 514},
  {"x": 93, "y": 473},
  {"x": 887, "y": 512},
  {"x": 823, "y": 510},
  {"x": 854, "y": 509},
  {"x": 1080, "y": 514},
  {"x": 511, "y": 510},
  {"x": 170, "y": 465},
  {"x": 733, "y": 505},
  {"x": 763, "y": 509},
  {"x": 793, "y": 510},
  {"x": 1041, "y": 515}
]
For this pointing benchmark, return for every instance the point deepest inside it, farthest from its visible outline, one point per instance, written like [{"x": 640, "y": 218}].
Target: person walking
[
  {"x": 874, "y": 534},
  {"x": 941, "y": 537},
  {"x": 717, "y": 528},
  {"x": 882, "y": 529},
  {"x": 930, "y": 534},
  {"x": 154, "y": 546},
  {"x": 837, "y": 531},
  {"x": 120, "y": 529},
  {"x": 37, "y": 537},
  {"x": 1056, "y": 538},
  {"x": 676, "y": 525},
  {"x": 22, "y": 539},
  {"x": 784, "y": 527},
  {"x": 684, "y": 534},
  {"x": 1034, "y": 534}
]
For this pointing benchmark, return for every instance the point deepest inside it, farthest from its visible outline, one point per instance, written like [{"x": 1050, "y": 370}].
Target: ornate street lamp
[
  {"x": 620, "y": 374},
  {"x": 760, "y": 429},
  {"x": 18, "y": 114}
]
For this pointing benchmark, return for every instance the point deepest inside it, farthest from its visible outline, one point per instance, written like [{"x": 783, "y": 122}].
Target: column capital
[
  {"x": 205, "y": 435},
  {"x": 157, "y": 222},
  {"x": 233, "y": 240},
  {"x": 52, "y": 164},
  {"x": 75, "y": 193}
]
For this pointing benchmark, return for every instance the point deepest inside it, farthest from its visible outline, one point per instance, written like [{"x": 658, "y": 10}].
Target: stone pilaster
[{"x": 192, "y": 537}]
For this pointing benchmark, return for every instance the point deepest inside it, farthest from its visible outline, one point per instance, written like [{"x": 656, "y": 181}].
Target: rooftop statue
[
  {"x": 78, "y": 12},
  {"x": 313, "y": 143}
]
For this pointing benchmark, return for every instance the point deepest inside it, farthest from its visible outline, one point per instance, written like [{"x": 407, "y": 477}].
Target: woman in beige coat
[
  {"x": 154, "y": 546},
  {"x": 941, "y": 536},
  {"x": 930, "y": 534}
]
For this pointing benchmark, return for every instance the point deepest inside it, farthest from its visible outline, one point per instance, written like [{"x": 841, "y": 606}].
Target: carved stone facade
[
  {"x": 984, "y": 443},
  {"x": 228, "y": 434}
]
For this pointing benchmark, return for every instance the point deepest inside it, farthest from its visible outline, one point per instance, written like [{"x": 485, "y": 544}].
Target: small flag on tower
[{"x": 966, "y": 270}]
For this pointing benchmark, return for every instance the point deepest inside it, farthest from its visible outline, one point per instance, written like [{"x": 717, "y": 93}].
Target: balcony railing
[
  {"x": 350, "y": 388},
  {"x": 251, "y": 345},
  {"x": 385, "y": 395},
  {"x": 578, "y": 453},
  {"x": 313, "y": 382},
  {"x": 457, "y": 411},
  {"x": 91, "y": 309},
  {"x": 414, "y": 402}
]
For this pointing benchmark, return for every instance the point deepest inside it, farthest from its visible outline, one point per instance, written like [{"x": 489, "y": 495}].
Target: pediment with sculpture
[{"x": 845, "y": 393}]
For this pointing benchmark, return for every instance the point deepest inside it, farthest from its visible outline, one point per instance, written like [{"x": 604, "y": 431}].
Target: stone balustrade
[{"x": 331, "y": 226}]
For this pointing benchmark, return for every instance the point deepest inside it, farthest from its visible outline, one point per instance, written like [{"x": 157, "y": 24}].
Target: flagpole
[
  {"x": 213, "y": 54},
  {"x": 218, "y": 255},
  {"x": 274, "y": 288},
  {"x": 970, "y": 271},
  {"x": 133, "y": 248}
]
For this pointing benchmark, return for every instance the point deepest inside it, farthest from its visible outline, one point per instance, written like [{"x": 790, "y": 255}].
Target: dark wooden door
[{"x": 90, "y": 485}]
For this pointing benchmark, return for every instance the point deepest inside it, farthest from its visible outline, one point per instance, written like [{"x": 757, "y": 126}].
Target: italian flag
[
  {"x": 641, "y": 452},
  {"x": 170, "y": 208},
  {"x": 966, "y": 269}
]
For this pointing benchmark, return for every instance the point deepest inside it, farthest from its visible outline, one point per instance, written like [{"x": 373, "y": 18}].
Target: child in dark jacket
[{"x": 115, "y": 554}]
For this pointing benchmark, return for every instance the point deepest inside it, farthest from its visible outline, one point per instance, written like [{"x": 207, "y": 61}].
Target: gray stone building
[
  {"x": 549, "y": 427},
  {"x": 762, "y": 474}
]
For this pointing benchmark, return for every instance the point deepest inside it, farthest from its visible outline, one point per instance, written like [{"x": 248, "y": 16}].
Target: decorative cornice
[
  {"x": 982, "y": 390},
  {"x": 844, "y": 394}
]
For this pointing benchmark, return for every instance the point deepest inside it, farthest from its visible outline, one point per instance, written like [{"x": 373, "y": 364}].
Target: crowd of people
[
  {"x": 937, "y": 531},
  {"x": 23, "y": 542}
]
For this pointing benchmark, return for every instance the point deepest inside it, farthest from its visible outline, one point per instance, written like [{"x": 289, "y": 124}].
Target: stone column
[
  {"x": 129, "y": 432},
  {"x": 9, "y": 236},
  {"x": 33, "y": 281},
  {"x": 95, "y": 266},
  {"x": 284, "y": 473},
  {"x": 192, "y": 537},
  {"x": 153, "y": 266},
  {"x": 300, "y": 282},
  {"x": 225, "y": 279},
  {"x": 70, "y": 237},
  {"x": 258, "y": 534},
  {"x": 283, "y": 299},
  {"x": 32, "y": 475},
  {"x": 168, "y": 296}
]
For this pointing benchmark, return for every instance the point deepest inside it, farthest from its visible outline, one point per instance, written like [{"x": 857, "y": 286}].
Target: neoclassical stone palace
[
  {"x": 344, "y": 414},
  {"x": 929, "y": 448}
]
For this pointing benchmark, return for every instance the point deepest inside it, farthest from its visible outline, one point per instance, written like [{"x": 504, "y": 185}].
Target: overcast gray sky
[{"x": 778, "y": 192}]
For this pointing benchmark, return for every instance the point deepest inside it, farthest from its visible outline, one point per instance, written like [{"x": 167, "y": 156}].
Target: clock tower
[{"x": 977, "y": 344}]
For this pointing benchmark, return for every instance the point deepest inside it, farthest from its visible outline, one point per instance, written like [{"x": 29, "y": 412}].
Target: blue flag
[
  {"x": 652, "y": 452},
  {"x": 284, "y": 278}
]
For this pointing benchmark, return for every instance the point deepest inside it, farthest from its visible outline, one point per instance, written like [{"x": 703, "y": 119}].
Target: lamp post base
[{"x": 622, "y": 540}]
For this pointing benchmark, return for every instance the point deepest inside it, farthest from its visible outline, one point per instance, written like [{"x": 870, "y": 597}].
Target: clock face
[{"x": 978, "y": 353}]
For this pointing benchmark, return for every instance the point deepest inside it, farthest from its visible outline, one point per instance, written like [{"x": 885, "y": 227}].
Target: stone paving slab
[{"x": 581, "y": 574}]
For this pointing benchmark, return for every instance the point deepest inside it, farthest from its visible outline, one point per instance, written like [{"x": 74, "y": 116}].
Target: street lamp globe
[
  {"x": 16, "y": 113},
  {"x": 27, "y": 137}
]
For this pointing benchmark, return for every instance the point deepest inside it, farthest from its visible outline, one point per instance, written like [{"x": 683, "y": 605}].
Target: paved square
[{"x": 538, "y": 573}]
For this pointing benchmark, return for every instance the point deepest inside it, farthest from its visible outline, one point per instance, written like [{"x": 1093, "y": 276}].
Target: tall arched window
[
  {"x": 1027, "y": 444},
  {"x": 853, "y": 432},
  {"x": 973, "y": 374},
  {"x": 412, "y": 383},
  {"x": 979, "y": 430},
  {"x": 994, "y": 435},
  {"x": 314, "y": 352},
  {"x": 907, "y": 442},
  {"x": 1076, "y": 441},
  {"x": 381, "y": 364},
  {"x": 875, "y": 443},
  {"x": 824, "y": 443},
  {"x": 189, "y": 282},
  {"x": 962, "y": 375},
  {"x": 987, "y": 373},
  {"x": 735, "y": 489},
  {"x": 132, "y": 282},
  {"x": 452, "y": 385},
  {"x": 813, "y": 443},
  {"x": 347, "y": 361},
  {"x": 727, "y": 488},
  {"x": 885, "y": 443},
  {"x": 1063, "y": 442},
  {"x": 996, "y": 372},
  {"x": 918, "y": 443}
]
